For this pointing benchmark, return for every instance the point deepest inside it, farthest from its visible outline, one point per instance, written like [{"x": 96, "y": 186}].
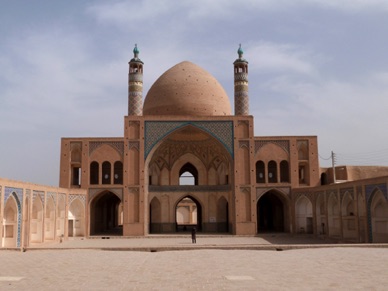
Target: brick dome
[{"x": 186, "y": 89}]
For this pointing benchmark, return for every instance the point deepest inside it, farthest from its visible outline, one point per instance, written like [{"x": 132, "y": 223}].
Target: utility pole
[{"x": 333, "y": 165}]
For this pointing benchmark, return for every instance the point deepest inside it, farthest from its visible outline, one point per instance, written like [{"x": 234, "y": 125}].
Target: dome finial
[
  {"x": 240, "y": 52},
  {"x": 136, "y": 51}
]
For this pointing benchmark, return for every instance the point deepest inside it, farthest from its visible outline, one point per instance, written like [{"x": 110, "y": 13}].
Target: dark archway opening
[
  {"x": 106, "y": 215},
  {"x": 324, "y": 180},
  {"x": 188, "y": 175},
  {"x": 222, "y": 215},
  {"x": 270, "y": 213},
  {"x": 188, "y": 214}
]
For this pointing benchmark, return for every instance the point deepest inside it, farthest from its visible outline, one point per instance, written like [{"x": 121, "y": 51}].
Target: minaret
[
  {"x": 241, "y": 98},
  {"x": 135, "y": 84}
]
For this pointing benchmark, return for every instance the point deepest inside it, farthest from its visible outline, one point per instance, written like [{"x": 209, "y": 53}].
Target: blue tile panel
[
  {"x": 155, "y": 131},
  {"x": 17, "y": 194}
]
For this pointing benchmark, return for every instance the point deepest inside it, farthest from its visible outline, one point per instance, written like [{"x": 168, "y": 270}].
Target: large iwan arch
[{"x": 272, "y": 212}]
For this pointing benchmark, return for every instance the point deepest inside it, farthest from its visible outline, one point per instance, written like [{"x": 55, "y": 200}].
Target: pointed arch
[
  {"x": 378, "y": 210},
  {"x": 76, "y": 219},
  {"x": 334, "y": 215},
  {"x": 36, "y": 223},
  {"x": 49, "y": 221},
  {"x": 192, "y": 172},
  {"x": 320, "y": 215},
  {"x": 11, "y": 222},
  {"x": 272, "y": 212},
  {"x": 155, "y": 216},
  {"x": 304, "y": 215},
  {"x": 348, "y": 212},
  {"x": 105, "y": 214},
  {"x": 222, "y": 215},
  {"x": 61, "y": 214},
  {"x": 191, "y": 206},
  {"x": 196, "y": 164}
]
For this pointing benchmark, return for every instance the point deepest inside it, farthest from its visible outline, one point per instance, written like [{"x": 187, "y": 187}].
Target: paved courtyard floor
[{"x": 103, "y": 264}]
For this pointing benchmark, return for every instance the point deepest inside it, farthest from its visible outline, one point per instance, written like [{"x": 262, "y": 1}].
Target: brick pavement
[
  {"x": 102, "y": 264},
  {"x": 303, "y": 269}
]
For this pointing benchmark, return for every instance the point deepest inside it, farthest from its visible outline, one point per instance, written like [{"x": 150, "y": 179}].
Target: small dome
[{"x": 186, "y": 89}]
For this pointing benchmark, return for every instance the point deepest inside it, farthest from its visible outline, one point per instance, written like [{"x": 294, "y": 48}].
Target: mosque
[{"x": 186, "y": 160}]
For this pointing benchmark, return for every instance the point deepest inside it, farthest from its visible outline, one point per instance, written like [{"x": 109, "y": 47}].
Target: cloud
[
  {"x": 272, "y": 57},
  {"x": 139, "y": 12}
]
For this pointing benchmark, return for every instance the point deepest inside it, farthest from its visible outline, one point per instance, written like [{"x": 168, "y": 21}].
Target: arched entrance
[
  {"x": 188, "y": 214},
  {"x": 76, "y": 219},
  {"x": 270, "y": 213},
  {"x": 105, "y": 215}
]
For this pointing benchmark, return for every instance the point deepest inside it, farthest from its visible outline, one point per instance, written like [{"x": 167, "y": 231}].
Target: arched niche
[
  {"x": 49, "y": 221},
  {"x": 379, "y": 217},
  {"x": 10, "y": 223},
  {"x": 195, "y": 162},
  {"x": 76, "y": 219},
  {"x": 304, "y": 215},
  {"x": 36, "y": 222},
  {"x": 334, "y": 215}
]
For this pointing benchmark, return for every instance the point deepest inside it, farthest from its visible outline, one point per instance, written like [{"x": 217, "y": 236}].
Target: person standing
[{"x": 194, "y": 235}]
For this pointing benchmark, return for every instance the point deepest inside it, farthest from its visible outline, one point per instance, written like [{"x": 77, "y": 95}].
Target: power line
[
  {"x": 326, "y": 159},
  {"x": 377, "y": 157}
]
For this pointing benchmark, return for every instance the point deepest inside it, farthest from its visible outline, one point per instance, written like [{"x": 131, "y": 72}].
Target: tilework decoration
[
  {"x": 155, "y": 131},
  {"x": 133, "y": 144},
  {"x": 346, "y": 190},
  {"x": 40, "y": 194},
  {"x": 72, "y": 197},
  {"x": 369, "y": 193},
  {"x": 53, "y": 195},
  {"x": 284, "y": 144},
  {"x": 17, "y": 194},
  {"x": 243, "y": 143},
  {"x": 308, "y": 195},
  {"x": 117, "y": 145}
]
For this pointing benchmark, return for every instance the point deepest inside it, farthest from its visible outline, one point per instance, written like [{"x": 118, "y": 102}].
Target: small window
[
  {"x": 118, "y": 173},
  {"x": 260, "y": 172},
  {"x": 94, "y": 173},
  {"x": 272, "y": 172},
  {"x": 106, "y": 173},
  {"x": 284, "y": 172}
]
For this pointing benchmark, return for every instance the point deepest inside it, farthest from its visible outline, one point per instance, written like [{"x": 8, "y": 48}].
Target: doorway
[
  {"x": 270, "y": 213},
  {"x": 188, "y": 214},
  {"x": 105, "y": 215}
]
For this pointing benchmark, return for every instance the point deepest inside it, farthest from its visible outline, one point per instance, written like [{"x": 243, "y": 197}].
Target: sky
[{"x": 316, "y": 67}]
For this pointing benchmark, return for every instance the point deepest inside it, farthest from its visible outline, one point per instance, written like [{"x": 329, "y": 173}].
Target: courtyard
[{"x": 214, "y": 263}]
